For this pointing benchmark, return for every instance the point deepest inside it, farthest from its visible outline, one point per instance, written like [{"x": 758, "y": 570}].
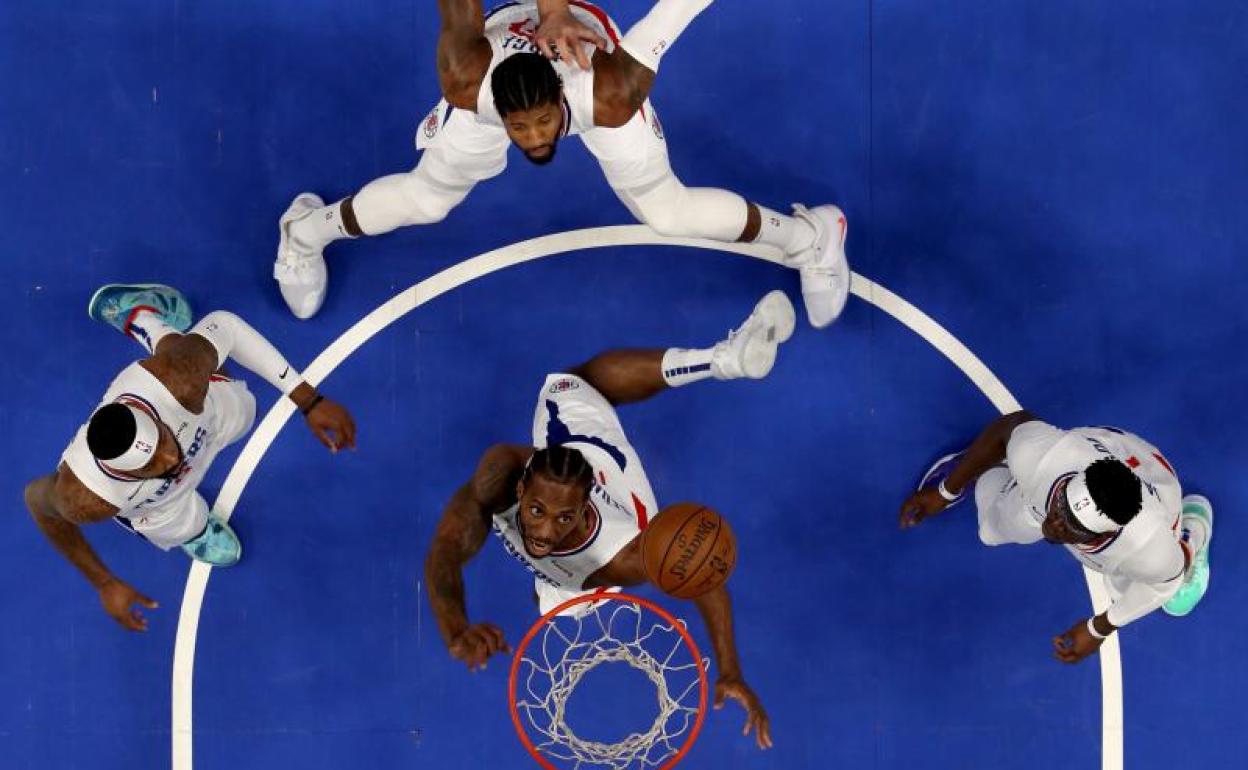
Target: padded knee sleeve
[{"x": 672, "y": 209}]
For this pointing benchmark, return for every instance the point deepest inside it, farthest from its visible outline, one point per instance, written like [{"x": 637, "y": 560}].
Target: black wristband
[{"x": 305, "y": 410}]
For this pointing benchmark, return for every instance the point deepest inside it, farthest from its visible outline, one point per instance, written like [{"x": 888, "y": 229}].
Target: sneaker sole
[{"x": 136, "y": 286}]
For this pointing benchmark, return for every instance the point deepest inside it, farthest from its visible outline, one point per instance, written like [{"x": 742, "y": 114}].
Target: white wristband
[
  {"x": 945, "y": 493},
  {"x": 1092, "y": 630}
]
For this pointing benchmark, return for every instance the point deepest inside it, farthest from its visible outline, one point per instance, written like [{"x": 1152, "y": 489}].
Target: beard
[{"x": 543, "y": 160}]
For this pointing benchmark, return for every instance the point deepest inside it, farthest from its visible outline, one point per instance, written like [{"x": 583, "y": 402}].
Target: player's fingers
[
  {"x": 322, "y": 436},
  {"x": 349, "y": 432},
  {"x": 135, "y": 621},
  {"x": 543, "y": 45},
  {"x": 575, "y": 45},
  {"x": 147, "y": 602},
  {"x": 764, "y": 733}
]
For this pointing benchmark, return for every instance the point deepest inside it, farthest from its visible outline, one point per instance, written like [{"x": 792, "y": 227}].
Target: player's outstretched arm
[
  {"x": 59, "y": 504},
  {"x": 987, "y": 450},
  {"x": 459, "y": 536},
  {"x": 716, "y": 610},
  {"x": 463, "y": 52},
  {"x": 184, "y": 364}
]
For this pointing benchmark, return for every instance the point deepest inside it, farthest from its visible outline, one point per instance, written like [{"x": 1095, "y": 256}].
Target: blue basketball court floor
[{"x": 1061, "y": 187}]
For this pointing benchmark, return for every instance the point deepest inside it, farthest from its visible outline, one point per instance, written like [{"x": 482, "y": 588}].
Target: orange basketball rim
[{"x": 595, "y": 638}]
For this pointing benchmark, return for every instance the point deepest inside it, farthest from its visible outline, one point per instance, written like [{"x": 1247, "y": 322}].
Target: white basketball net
[{"x": 567, "y": 648}]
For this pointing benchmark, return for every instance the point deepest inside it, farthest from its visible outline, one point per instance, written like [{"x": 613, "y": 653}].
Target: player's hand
[
  {"x": 476, "y": 643},
  {"x": 560, "y": 33},
  {"x": 119, "y": 599},
  {"x": 920, "y": 505},
  {"x": 1076, "y": 644},
  {"x": 332, "y": 424},
  {"x": 756, "y": 717}
]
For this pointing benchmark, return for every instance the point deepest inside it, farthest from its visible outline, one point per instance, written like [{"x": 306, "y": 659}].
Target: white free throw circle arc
[{"x": 525, "y": 251}]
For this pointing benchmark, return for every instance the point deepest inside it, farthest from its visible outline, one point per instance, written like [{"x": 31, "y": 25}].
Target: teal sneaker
[
  {"x": 1196, "y": 581},
  {"x": 115, "y": 303},
  {"x": 216, "y": 545}
]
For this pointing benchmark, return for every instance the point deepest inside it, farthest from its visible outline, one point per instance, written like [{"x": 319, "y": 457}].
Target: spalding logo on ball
[{"x": 688, "y": 550}]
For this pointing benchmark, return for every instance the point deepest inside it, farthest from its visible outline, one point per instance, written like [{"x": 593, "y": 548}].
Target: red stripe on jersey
[
  {"x": 642, "y": 519},
  {"x": 1162, "y": 460},
  {"x": 600, "y": 15}
]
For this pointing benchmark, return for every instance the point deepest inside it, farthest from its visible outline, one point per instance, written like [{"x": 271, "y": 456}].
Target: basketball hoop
[{"x": 559, "y": 650}]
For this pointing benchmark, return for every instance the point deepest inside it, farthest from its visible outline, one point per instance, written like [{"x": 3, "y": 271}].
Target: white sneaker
[
  {"x": 301, "y": 273},
  {"x": 823, "y": 266},
  {"x": 750, "y": 350}
]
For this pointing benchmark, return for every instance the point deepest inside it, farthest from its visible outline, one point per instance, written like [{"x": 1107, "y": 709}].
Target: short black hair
[
  {"x": 111, "y": 431},
  {"x": 561, "y": 464},
  {"x": 1115, "y": 489},
  {"x": 524, "y": 81}
]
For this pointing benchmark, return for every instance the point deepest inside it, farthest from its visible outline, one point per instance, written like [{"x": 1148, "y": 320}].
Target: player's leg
[
  {"x": 458, "y": 153},
  {"x": 626, "y": 376},
  {"x": 635, "y": 161},
  {"x": 145, "y": 312},
  {"x": 1003, "y": 517}
]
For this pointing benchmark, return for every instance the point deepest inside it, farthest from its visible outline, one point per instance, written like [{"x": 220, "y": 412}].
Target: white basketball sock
[
  {"x": 320, "y": 228},
  {"x": 147, "y": 328},
  {"x": 683, "y": 366},
  {"x": 790, "y": 234},
  {"x": 650, "y": 38}
]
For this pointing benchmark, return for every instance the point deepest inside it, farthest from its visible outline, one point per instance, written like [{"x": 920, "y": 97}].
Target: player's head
[
  {"x": 552, "y": 493},
  {"x": 529, "y": 97},
  {"x": 1103, "y": 498},
  {"x": 130, "y": 439}
]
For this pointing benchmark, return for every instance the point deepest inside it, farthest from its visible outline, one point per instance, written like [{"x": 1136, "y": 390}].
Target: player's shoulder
[
  {"x": 1029, "y": 441},
  {"x": 77, "y": 503}
]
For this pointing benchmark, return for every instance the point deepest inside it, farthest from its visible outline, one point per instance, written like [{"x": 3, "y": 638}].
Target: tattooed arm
[{"x": 459, "y": 536}]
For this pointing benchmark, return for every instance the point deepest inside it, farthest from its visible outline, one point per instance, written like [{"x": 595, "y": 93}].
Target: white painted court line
[{"x": 517, "y": 253}]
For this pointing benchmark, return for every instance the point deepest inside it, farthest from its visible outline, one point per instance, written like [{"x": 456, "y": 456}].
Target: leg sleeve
[
  {"x": 457, "y": 153},
  {"x": 634, "y": 159}
]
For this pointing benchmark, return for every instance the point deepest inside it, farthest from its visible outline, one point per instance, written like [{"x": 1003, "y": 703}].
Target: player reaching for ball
[{"x": 572, "y": 507}]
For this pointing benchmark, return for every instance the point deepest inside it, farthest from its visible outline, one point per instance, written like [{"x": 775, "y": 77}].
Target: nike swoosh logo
[{"x": 285, "y": 372}]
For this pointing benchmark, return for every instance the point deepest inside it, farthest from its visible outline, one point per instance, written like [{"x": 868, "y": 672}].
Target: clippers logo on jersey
[
  {"x": 520, "y": 36},
  {"x": 658, "y": 128},
  {"x": 431, "y": 124},
  {"x": 563, "y": 386}
]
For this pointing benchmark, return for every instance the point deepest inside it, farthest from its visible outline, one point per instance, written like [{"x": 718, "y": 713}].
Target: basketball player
[
  {"x": 571, "y": 507},
  {"x": 161, "y": 423},
  {"x": 1107, "y": 495},
  {"x": 498, "y": 91}
]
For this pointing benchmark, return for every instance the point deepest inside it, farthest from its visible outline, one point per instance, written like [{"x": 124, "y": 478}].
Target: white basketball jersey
[
  {"x": 615, "y": 526},
  {"x": 1040, "y": 456},
  {"x": 509, "y": 28},
  {"x": 201, "y": 437}
]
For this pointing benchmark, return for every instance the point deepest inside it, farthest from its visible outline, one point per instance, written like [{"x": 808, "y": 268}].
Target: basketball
[{"x": 688, "y": 550}]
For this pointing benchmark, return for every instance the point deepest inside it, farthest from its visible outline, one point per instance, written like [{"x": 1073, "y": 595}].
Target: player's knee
[
  {"x": 988, "y": 537},
  {"x": 662, "y": 209}
]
